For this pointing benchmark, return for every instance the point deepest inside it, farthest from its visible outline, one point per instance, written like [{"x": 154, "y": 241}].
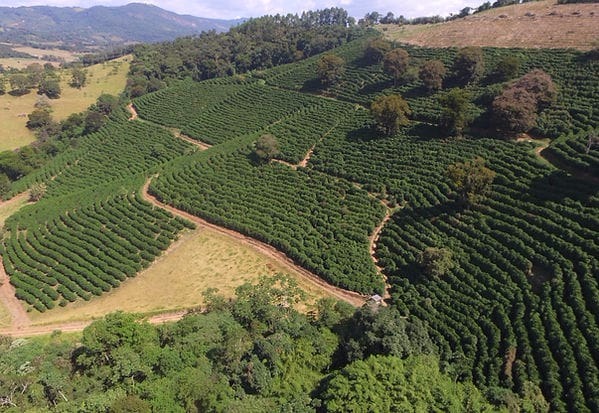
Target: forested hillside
[
  {"x": 462, "y": 182},
  {"x": 80, "y": 29}
]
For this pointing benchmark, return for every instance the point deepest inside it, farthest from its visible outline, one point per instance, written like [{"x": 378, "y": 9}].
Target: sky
[{"x": 229, "y": 9}]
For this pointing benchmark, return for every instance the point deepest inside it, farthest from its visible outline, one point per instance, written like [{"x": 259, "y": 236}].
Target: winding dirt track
[
  {"x": 373, "y": 240},
  {"x": 271, "y": 252}
]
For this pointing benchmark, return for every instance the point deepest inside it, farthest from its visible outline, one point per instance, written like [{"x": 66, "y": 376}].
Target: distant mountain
[{"x": 80, "y": 28}]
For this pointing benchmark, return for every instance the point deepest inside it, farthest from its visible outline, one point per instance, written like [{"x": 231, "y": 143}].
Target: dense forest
[
  {"x": 258, "y": 43},
  {"x": 252, "y": 354}
]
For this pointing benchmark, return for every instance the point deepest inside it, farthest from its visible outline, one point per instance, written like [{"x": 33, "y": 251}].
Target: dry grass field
[
  {"x": 109, "y": 77},
  {"x": 199, "y": 260},
  {"x": 537, "y": 24},
  {"x": 38, "y": 56}
]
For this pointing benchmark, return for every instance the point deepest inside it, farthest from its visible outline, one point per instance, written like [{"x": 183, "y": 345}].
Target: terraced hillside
[{"x": 519, "y": 304}]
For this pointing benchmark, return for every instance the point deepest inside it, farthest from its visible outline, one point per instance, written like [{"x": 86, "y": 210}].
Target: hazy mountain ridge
[{"x": 100, "y": 25}]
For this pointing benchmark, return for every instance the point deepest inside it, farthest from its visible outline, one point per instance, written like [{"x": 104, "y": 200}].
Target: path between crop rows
[
  {"x": 350, "y": 297},
  {"x": 132, "y": 110},
  {"x": 76, "y": 326},
  {"x": 374, "y": 238}
]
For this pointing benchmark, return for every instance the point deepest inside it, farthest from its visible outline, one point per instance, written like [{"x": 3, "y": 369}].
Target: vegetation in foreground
[
  {"x": 252, "y": 354},
  {"x": 501, "y": 269}
]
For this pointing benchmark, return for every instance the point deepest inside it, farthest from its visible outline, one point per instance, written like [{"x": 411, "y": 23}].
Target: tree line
[{"x": 257, "y": 44}]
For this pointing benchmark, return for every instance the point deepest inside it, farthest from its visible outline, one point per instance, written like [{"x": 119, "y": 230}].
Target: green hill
[
  {"x": 518, "y": 305},
  {"x": 80, "y": 29}
]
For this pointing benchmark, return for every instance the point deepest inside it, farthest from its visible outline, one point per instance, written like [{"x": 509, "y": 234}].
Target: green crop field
[{"x": 520, "y": 303}]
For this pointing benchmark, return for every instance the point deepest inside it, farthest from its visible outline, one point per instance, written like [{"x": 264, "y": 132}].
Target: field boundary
[{"x": 350, "y": 297}]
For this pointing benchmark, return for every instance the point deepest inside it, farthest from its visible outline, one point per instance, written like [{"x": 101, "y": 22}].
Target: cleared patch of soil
[{"x": 538, "y": 24}]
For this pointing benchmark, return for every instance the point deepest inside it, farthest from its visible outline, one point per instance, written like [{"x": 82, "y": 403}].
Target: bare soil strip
[
  {"x": 374, "y": 239},
  {"x": 18, "y": 314},
  {"x": 76, "y": 326},
  {"x": 133, "y": 112},
  {"x": 203, "y": 146},
  {"x": 350, "y": 297},
  {"x": 538, "y": 24}
]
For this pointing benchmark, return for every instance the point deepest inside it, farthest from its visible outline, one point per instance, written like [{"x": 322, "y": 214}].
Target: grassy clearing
[
  {"x": 109, "y": 77},
  {"x": 199, "y": 260},
  {"x": 39, "y": 56}
]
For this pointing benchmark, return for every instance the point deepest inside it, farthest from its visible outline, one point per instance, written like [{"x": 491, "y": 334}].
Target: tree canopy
[
  {"x": 330, "y": 69},
  {"x": 469, "y": 64},
  {"x": 389, "y": 384},
  {"x": 395, "y": 63},
  {"x": 456, "y": 110},
  {"x": 390, "y": 113},
  {"x": 432, "y": 73},
  {"x": 472, "y": 179}
]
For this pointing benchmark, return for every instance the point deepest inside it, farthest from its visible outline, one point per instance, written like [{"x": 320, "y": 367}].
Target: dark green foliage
[
  {"x": 257, "y": 44},
  {"x": 266, "y": 147},
  {"x": 334, "y": 217},
  {"x": 39, "y": 118},
  {"x": 469, "y": 64},
  {"x": 471, "y": 179},
  {"x": 571, "y": 153},
  {"x": 220, "y": 361},
  {"x": 456, "y": 110},
  {"x": 435, "y": 262},
  {"x": 389, "y": 384},
  {"x": 506, "y": 68},
  {"x": 330, "y": 69},
  {"x": 383, "y": 330},
  {"x": 390, "y": 113}
]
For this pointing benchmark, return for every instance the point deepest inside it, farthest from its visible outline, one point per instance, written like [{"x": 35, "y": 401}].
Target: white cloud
[{"x": 227, "y": 9}]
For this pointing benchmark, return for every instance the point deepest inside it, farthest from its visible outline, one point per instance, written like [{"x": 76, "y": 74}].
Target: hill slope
[
  {"x": 542, "y": 24},
  {"x": 100, "y": 25}
]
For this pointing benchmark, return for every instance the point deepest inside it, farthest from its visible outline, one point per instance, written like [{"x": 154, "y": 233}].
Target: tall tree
[
  {"x": 390, "y": 113},
  {"x": 469, "y": 64},
  {"x": 266, "y": 147},
  {"x": 19, "y": 84},
  {"x": 432, "y": 73},
  {"x": 456, "y": 110},
  {"x": 395, "y": 63},
  {"x": 49, "y": 86},
  {"x": 78, "y": 77},
  {"x": 330, "y": 69},
  {"x": 515, "y": 110},
  {"x": 506, "y": 68},
  {"x": 435, "y": 262},
  {"x": 540, "y": 85},
  {"x": 376, "y": 50},
  {"x": 471, "y": 179}
]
